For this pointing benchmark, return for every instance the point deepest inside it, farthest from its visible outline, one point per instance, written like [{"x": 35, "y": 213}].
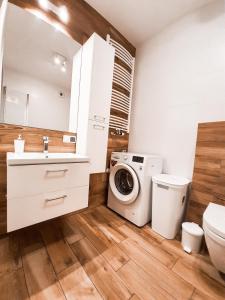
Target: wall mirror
[{"x": 37, "y": 72}]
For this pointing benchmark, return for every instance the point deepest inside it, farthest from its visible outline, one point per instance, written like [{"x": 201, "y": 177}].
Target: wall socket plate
[{"x": 69, "y": 139}]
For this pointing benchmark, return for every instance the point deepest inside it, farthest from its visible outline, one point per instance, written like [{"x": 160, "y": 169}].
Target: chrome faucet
[{"x": 45, "y": 140}]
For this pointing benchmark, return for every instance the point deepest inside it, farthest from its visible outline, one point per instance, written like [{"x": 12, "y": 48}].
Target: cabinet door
[
  {"x": 98, "y": 62},
  {"x": 97, "y": 146},
  {"x": 26, "y": 211},
  {"x": 94, "y": 101},
  {"x": 102, "y": 72},
  {"x": 23, "y": 181}
]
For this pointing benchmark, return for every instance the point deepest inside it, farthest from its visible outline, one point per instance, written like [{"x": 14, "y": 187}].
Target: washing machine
[{"x": 130, "y": 185}]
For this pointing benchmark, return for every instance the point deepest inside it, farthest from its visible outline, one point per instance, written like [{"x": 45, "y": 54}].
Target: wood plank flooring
[{"x": 96, "y": 254}]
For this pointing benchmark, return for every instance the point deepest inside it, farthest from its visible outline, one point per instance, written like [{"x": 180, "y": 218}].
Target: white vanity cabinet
[
  {"x": 94, "y": 101},
  {"x": 39, "y": 192}
]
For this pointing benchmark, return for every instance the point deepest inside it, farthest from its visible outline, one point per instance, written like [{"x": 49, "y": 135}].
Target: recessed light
[
  {"x": 44, "y": 4},
  {"x": 57, "y": 60},
  {"x": 60, "y": 11},
  {"x": 63, "y": 69},
  {"x": 60, "y": 61},
  {"x": 63, "y": 14}
]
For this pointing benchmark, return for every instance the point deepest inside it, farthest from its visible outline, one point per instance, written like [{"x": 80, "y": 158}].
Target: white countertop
[{"x": 31, "y": 158}]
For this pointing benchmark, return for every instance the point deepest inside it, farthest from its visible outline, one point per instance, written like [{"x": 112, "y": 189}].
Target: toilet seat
[
  {"x": 216, "y": 238},
  {"x": 214, "y": 220}
]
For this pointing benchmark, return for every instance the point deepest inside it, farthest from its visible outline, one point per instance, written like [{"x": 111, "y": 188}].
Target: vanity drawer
[
  {"x": 25, "y": 211},
  {"x": 31, "y": 180}
]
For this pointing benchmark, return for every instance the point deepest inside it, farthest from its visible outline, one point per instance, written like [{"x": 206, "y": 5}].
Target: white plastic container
[
  {"x": 19, "y": 144},
  {"x": 192, "y": 235},
  {"x": 168, "y": 204}
]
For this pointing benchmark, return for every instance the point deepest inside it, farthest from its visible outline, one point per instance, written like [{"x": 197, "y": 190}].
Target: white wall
[
  {"x": 180, "y": 82},
  {"x": 46, "y": 108}
]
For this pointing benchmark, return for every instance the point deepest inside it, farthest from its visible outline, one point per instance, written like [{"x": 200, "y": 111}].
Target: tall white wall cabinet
[{"x": 96, "y": 76}]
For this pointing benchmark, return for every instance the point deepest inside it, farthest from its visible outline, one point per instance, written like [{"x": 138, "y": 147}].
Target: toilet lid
[{"x": 214, "y": 219}]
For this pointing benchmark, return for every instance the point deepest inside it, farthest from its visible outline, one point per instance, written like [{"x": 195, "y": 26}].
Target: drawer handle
[
  {"x": 99, "y": 127},
  {"x": 57, "y": 198},
  {"x": 162, "y": 186},
  {"x": 56, "y": 171},
  {"x": 99, "y": 118}
]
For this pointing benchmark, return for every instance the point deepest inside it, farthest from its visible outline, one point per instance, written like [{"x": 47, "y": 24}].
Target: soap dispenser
[{"x": 19, "y": 144}]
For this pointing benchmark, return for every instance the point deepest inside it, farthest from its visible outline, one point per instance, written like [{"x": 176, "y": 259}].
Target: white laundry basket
[
  {"x": 168, "y": 204},
  {"x": 191, "y": 237}
]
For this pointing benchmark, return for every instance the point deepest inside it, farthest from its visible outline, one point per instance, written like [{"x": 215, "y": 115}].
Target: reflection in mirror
[{"x": 37, "y": 72}]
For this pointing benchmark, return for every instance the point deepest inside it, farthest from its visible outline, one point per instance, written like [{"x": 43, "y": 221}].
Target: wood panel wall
[
  {"x": 208, "y": 184},
  {"x": 84, "y": 20}
]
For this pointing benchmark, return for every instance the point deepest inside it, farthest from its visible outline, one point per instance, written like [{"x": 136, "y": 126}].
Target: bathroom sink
[{"x": 31, "y": 158}]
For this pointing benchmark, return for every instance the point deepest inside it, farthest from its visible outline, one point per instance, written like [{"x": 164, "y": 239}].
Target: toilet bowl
[{"x": 214, "y": 228}]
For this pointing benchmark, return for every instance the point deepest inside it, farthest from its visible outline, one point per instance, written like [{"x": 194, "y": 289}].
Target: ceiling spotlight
[
  {"x": 63, "y": 69},
  {"x": 63, "y": 66},
  {"x": 44, "y": 4},
  {"x": 57, "y": 59},
  {"x": 60, "y": 61},
  {"x": 63, "y": 14},
  {"x": 60, "y": 11}
]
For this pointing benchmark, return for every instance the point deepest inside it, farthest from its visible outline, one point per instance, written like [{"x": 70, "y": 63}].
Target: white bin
[
  {"x": 191, "y": 237},
  {"x": 168, "y": 204}
]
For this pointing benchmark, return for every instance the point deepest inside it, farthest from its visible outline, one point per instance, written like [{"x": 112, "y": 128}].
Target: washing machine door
[{"x": 124, "y": 183}]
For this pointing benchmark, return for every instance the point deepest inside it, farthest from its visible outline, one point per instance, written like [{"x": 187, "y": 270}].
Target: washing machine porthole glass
[{"x": 124, "y": 181}]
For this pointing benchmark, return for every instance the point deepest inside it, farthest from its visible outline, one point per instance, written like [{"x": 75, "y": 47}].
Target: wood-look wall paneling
[
  {"x": 208, "y": 184},
  {"x": 84, "y": 20}
]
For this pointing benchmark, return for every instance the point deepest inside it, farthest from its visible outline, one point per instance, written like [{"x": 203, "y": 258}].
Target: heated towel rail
[{"x": 123, "y": 75}]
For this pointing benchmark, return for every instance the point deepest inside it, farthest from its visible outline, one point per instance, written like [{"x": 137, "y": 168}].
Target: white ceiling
[
  {"x": 139, "y": 20},
  {"x": 30, "y": 44}
]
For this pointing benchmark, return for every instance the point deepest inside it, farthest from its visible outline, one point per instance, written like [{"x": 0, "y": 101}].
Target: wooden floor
[{"x": 98, "y": 255}]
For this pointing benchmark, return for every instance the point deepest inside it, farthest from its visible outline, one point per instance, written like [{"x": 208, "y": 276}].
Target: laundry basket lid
[
  {"x": 170, "y": 180},
  {"x": 192, "y": 228}
]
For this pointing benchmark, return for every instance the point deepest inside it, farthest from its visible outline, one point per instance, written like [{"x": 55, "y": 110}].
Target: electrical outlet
[{"x": 69, "y": 139}]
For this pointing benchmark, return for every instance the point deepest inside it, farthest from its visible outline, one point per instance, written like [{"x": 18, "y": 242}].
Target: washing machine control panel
[
  {"x": 138, "y": 159},
  {"x": 113, "y": 162}
]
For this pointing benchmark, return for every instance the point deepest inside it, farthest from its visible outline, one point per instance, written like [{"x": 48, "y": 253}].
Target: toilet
[{"x": 214, "y": 228}]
